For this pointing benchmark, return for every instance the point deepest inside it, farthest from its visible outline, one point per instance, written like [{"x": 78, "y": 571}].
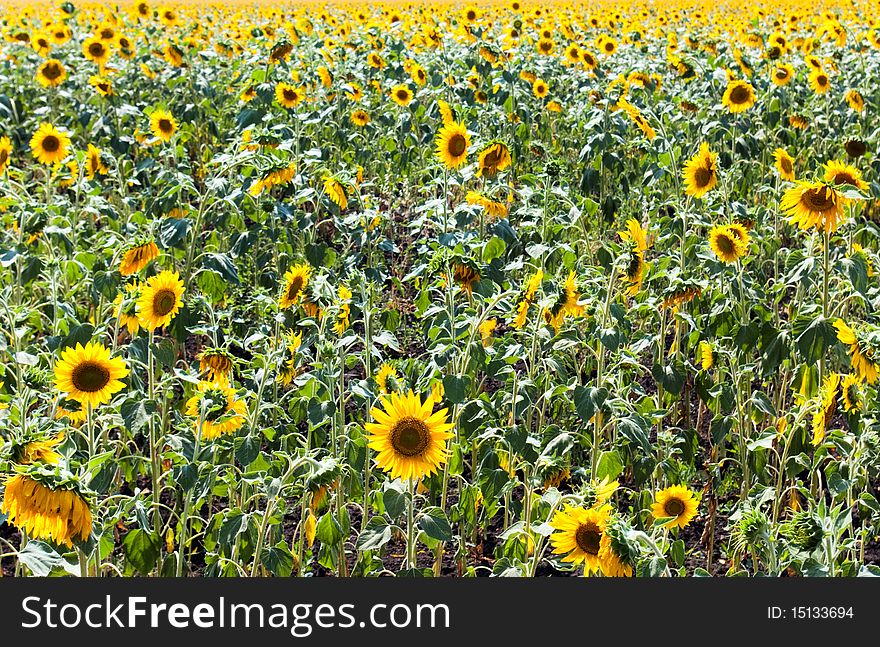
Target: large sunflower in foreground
[
  {"x": 138, "y": 257},
  {"x": 812, "y": 205},
  {"x": 296, "y": 279},
  {"x": 579, "y": 534},
  {"x": 409, "y": 439},
  {"x": 224, "y": 413},
  {"x": 700, "y": 172},
  {"x": 161, "y": 299},
  {"x": 44, "y": 512},
  {"x": 676, "y": 503},
  {"x": 452, "y": 145},
  {"x": 49, "y": 145},
  {"x": 88, "y": 375}
]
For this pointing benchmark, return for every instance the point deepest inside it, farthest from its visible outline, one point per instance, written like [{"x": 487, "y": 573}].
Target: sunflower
[
  {"x": 727, "y": 244},
  {"x": 707, "y": 356},
  {"x": 360, "y": 118},
  {"x": 387, "y": 378},
  {"x": 738, "y": 97},
  {"x": 162, "y": 125},
  {"x": 88, "y": 375},
  {"x": 49, "y": 145},
  {"x": 701, "y": 172},
  {"x": 466, "y": 276},
  {"x": 102, "y": 85},
  {"x": 487, "y": 329},
  {"x": 861, "y": 352},
  {"x": 819, "y": 81},
  {"x": 677, "y": 503},
  {"x": 813, "y": 205},
  {"x": 288, "y": 95},
  {"x": 851, "y": 394},
  {"x": 336, "y": 192},
  {"x": 842, "y": 174},
  {"x": 223, "y": 412},
  {"x": 855, "y": 100},
  {"x": 126, "y": 308},
  {"x": 39, "y": 451},
  {"x": 579, "y": 534},
  {"x": 296, "y": 279},
  {"x": 94, "y": 164},
  {"x": 409, "y": 439},
  {"x": 493, "y": 158},
  {"x": 782, "y": 74},
  {"x": 51, "y": 73},
  {"x": 492, "y": 208},
  {"x": 215, "y": 363},
  {"x": 401, "y": 95},
  {"x": 855, "y": 148},
  {"x": 826, "y": 406},
  {"x": 138, "y": 257},
  {"x": 96, "y": 50},
  {"x": 452, "y": 144},
  {"x": 784, "y": 164},
  {"x": 5, "y": 153},
  {"x": 56, "y": 514},
  {"x": 160, "y": 300},
  {"x": 634, "y": 271},
  {"x": 540, "y": 88}
]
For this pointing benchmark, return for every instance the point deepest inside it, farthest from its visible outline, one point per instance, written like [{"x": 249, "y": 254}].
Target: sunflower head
[
  {"x": 700, "y": 172},
  {"x": 88, "y": 375},
  {"x": 49, "y": 144},
  {"x": 677, "y": 505},
  {"x": 452, "y": 142},
  {"x": 739, "y": 96},
  {"x": 163, "y": 125},
  {"x": 160, "y": 300}
]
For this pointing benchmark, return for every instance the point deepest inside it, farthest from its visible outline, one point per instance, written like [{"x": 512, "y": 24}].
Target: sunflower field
[{"x": 522, "y": 288}]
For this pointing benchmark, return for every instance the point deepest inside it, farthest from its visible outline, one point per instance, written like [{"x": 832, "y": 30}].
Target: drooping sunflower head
[
  {"x": 452, "y": 142},
  {"x": 493, "y": 158},
  {"x": 677, "y": 503},
  {"x": 5, "y": 153},
  {"x": 126, "y": 308},
  {"x": 88, "y": 375},
  {"x": 410, "y": 440},
  {"x": 700, "y": 172},
  {"x": 812, "y": 205},
  {"x": 137, "y": 257},
  {"x": 73, "y": 411},
  {"x": 296, "y": 280},
  {"x": 739, "y": 96},
  {"x": 162, "y": 125},
  {"x": 466, "y": 276},
  {"x": 579, "y": 534},
  {"x": 37, "y": 449},
  {"x": 49, "y": 144},
  {"x": 160, "y": 300},
  {"x": 855, "y": 148},
  {"x": 215, "y": 363}
]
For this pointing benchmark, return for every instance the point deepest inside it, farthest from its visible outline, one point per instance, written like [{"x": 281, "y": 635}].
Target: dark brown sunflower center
[
  {"x": 51, "y": 144},
  {"x": 633, "y": 267},
  {"x": 726, "y": 244},
  {"x": 822, "y": 80},
  {"x": 52, "y": 71},
  {"x": 492, "y": 159},
  {"x": 165, "y": 125},
  {"x": 844, "y": 178},
  {"x": 457, "y": 145},
  {"x": 106, "y": 34},
  {"x": 471, "y": 15},
  {"x": 609, "y": 47},
  {"x": 96, "y": 49},
  {"x": 90, "y": 377},
  {"x": 295, "y": 286},
  {"x": 163, "y": 302},
  {"x": 410, "y": 436},
  {"x": 588, "y": 538},
  {"x": 703, "y": 176},
  {"x": 739, "y": 95},
  {"x": 818, "y": 199},
  {"x": 289, "y": 95},
  {"x": 673, "y": 507},
  {"x": 545, "y": 47},
  {"x": 4, "y": 155},
  {"x": 785, "y": 163},
  {"x": 781, "y": 74},
  {"x": 403, "y": 95}
]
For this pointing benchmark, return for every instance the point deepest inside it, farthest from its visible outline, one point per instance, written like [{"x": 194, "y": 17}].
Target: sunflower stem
[{"x": 410, "y": 527}]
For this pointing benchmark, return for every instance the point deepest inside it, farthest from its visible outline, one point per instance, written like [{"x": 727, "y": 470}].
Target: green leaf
[
  {"x": 588, "y": 400},
  {"x": 669, "y": 376},
  {"x": 40, "y": 558},
  {"x": 813, "y": 337},
  {"x": 278, "y": 560},
  {"x": 454, "y": 388},
  {"x": 329, "y": 531},
  {"x": 142, "y": 549},
  {"x": 434, "y": 523},
  {"x": 173, "y": 231},
  {"x": 223, "y": 265},
  {"x": 375, "y": 535},
  {"x": 136, "y": 413},
  {"x": 610, "y": 466},
  {"x": 394, "y": 499},
  {"x": 635, "y": 429}
]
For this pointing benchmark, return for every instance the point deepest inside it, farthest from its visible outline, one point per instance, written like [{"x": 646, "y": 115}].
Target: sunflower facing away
[
  {"x": 701, "y": 172},
  {"x": 223, "y": 412},
  {"x": 579, "y": 534},
  {"x": 49, "y": 145},
  {"x": 295, "y": 281},
  {"x": 493, "y": 158},
  {"x": 126, "y": 308},
  {"x": 88, "y": 375},
  {"x": 160, "y": 301},
  {"x": 162, "y": 125},
  {"x": 59, "y": 515},
  {"x": 138, "y": 257},
  {"x": 452, "y": 145},
  {"x": 387, "y": 378},
  {"x": 634, "y": 271},
  {"x": 738, "y": 97},
  {"x": 729, "y": 242},
  {"x": 409, "y": 439},
  {"x": 676, "y": 502},
  {"x": 813, "y": 205}
]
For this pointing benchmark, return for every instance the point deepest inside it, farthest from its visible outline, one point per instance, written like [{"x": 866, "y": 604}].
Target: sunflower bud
[{"x": 804, "y": 530}]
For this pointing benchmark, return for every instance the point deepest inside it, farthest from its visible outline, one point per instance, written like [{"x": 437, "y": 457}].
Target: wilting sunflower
[
  {"x": 842, "y": 174},
  {"x": 728, "y": 244},
  {"x": 579, "y": 534},
  {"x": 452, "y": 145},
  {"x": 466, "y": 276},
  {"x": 102, "y": 85},
  {"x": 51, "y": 73},
  {"x": 401, "y": 95},
  {"x": 784, "y": 164},
  {"x": 296, "y": 279},
  {"x": 813, "y": 205},
  {"x": 447, "y": 114},
  {"x": 5, "y": 153},
  {"x": 38, "y": 450},
  {"x": 701, "y": 172},
  {"x": 855, "y": 148},
  {"x": 360, "y": 118},
  {"x": 161, "y": 299},
  {"x": 88, "y": 375},
  {"x": 738, "y": 97},
  {"x": 862, "y": 350},
  {"x": 409, "y": 439},
  {"x": 493, "y": 158},
  {"x": 287, "y": 95},
  {"x": 819, "y": 81},
  {"x": 126, "y": 308},
  {"x": 215, "y": 363},
  {"x": 162, "y": 125},
  {"x": 49, "y": 145},
  {"x": 676, "y": 502},
  {"x": 223, "y": 412},
  {"x": 47, "y": 506},
  {"x": 138, "y": 257},
  {"x": 387, "y": 378}
]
